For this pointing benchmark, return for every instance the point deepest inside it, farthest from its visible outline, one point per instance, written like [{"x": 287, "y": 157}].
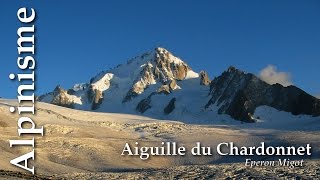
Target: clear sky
[{"x": 77, "y": 39}]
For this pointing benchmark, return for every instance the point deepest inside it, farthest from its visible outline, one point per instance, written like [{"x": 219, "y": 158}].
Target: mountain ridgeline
[{"x": 160, "y": 85}]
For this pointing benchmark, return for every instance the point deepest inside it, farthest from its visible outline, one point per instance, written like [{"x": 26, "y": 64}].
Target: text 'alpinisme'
[{"x": 26, "y": 97}]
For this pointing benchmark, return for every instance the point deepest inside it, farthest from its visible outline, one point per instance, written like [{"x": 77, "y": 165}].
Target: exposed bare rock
[
  {"x": 239, "y": 94},
  {"x": 98, "y": 98},
  {"x": 86, "y": 145},
  {"x": 145, "y": 79},
  {"x": 204, "y": 78},
  {"x": 168, "y": 88},
  {"x": 90, "y": 93},
  {"x": 167, "y": 68},
  {"x": 234, "y": 92},
  {"x": 170, "y": 107},
  {"x": 60, "y": 98},
  {"x": 173, "y": 85},
  {"x": 144, "y": 105},
  {"x": 180, "y": 71},
  {"x": 71, "y": 91},
  {"x": 163, "y": 67},
  {"x": 95, "y": 97},
  {"x": 164, "y": 89},
  {"x": 227, "y": 171}
]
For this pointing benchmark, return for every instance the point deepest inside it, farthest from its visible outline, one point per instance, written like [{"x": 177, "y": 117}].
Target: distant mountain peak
[{"x": 159, "y": 84}]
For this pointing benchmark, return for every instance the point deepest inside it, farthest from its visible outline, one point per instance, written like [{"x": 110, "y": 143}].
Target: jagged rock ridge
[
  {"x": 238, "y": 94},
  {"x": 160, "y": 85}
]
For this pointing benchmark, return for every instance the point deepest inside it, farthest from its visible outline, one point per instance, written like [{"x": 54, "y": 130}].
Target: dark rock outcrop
[
  {"x": 71, "y": 91},
  {"x": 144, "y": 105},
  {"x": 130, "y": 94},
  {"x": 90, "y": 93},
  {"x": 95, "y": 97},
  {"x": 170, "y": 107},
  {"x": 204, "y": 78},
  {"x": 238, "y": 94}
]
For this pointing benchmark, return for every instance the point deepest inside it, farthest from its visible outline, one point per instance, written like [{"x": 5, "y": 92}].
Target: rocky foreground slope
[
  {"x": 88, "y": 145},
  {"x": 222, "y": 171},
  {"x": 160, "y": 85}
]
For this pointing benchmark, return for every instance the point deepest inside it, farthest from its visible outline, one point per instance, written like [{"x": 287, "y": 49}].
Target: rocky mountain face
[
  {"x": 160, "y": 85},
  {"x": 60, "y": 98},
  {"x": 238, "y": 94},
  {"x": 204, "y": 78}
]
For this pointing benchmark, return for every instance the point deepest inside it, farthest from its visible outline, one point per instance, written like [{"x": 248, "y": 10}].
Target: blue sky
[{"x": 77, "y": 39}]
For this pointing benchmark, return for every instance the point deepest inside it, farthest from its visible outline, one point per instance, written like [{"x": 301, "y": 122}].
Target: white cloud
[
  {"x": 317, "y": 96},
  {"x": 271, "y": 75}
]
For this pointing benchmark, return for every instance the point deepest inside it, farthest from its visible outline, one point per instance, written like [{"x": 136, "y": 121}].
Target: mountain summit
[{"x": 161, "y": 85}]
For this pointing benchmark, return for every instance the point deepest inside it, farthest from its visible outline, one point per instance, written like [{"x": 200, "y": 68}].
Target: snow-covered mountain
[{"x": 161, "y": 85}]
